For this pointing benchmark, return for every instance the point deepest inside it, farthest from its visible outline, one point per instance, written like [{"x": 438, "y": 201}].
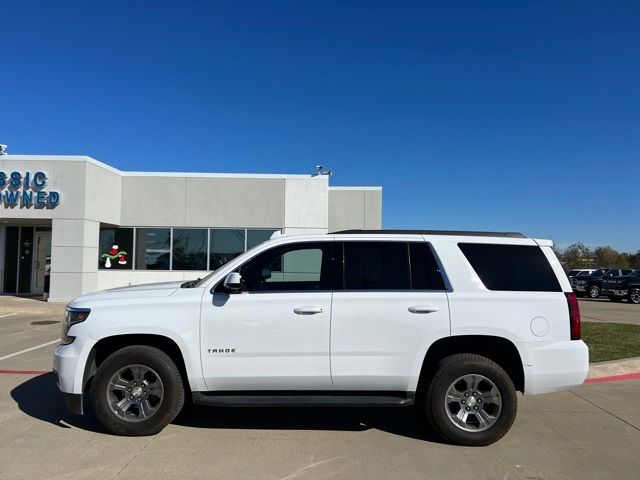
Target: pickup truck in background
[
  {"x": 620, "y": 287},
  {"x": 591, "y": 285}
]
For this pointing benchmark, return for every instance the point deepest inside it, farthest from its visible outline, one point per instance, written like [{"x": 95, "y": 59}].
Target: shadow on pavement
[{"x": 39, "y": 398}]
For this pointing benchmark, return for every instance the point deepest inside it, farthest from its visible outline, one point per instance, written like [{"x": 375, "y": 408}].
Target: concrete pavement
[{"x": 604, "y": 310}]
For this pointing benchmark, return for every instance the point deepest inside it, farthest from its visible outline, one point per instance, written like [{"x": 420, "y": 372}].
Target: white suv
[{"x": 454, "y": 322}]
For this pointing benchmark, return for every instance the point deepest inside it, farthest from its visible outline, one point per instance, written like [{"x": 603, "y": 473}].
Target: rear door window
[
  {"x": 511, "y": 267},
  {"x": 376, "y": 266}
]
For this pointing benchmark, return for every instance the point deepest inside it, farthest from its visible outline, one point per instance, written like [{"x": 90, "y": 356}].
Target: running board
[{"x": 304, "y": 399}]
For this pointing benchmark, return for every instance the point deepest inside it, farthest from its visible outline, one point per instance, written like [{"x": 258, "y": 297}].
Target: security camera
[
  {"x": 3, "y": 149},
  {"x": 319, "y": 168}
]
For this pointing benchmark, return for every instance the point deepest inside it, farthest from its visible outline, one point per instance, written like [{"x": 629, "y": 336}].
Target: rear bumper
[
  {"x": 554, "y": 366},
  {"x": 618, "y": 292}
]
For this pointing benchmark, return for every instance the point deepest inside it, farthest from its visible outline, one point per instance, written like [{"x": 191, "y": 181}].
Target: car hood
[{"x": 147, "y": 290}]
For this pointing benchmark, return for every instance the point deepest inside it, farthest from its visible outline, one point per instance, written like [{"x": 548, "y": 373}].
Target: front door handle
[
  {"x": 308, "y": 310},
  {"x": 424, "y": 309}
]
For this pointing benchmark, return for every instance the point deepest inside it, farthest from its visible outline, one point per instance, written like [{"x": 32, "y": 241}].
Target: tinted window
[
  {"x": 303, "y": 266},
  {"x": 153, "y": 248},
  {"x": 226, "y": 244},
  {"x": 511, "y": 267},
  {"x": 376, "y": 266},
  {"x": 425, "y": 273},
  {"x": 116, "y": 248},
  {"x": 190, "y": 249}
]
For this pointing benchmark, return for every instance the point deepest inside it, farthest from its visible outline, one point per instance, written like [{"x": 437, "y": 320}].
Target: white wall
[
  {"x": 355, "y": 208},
  {"x": 93, "y": 193}
]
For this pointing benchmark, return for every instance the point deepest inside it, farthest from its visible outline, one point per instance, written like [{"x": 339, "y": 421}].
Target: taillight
[{"x": 574, "y": 316}]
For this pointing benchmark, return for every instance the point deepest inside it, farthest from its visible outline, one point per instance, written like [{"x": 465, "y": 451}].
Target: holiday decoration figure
[{"x": 114, "y": 253}]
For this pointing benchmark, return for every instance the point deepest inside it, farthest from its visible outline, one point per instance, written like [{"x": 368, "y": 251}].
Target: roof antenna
[{"x": 321, "y": 171}]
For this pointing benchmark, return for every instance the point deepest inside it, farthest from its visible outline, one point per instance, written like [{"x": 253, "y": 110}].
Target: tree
[
  {"x": 634, "y": 259},
  {"x": 606, "y": 257},
  {"x": 577, "y": 255}
]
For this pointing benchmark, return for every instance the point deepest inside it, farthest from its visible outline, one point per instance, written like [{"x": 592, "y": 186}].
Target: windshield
[{"x": 572, "y": 273}]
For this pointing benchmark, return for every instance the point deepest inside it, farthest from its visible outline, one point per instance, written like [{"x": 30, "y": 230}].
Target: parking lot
[{"x": 590, "y": 432}]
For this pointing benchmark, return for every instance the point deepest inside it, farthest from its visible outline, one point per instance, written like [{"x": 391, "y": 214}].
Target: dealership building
[{"x": 71, "y": 225}]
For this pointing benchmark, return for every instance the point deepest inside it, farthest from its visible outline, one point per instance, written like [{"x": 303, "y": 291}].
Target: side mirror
[{"x": 233, "y": 281}]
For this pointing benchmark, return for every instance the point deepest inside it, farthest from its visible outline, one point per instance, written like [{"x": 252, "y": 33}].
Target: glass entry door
[{"x": 41, "y": 258}]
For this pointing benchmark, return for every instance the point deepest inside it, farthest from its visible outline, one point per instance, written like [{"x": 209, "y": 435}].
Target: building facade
[{"x": 88, "y": 226}]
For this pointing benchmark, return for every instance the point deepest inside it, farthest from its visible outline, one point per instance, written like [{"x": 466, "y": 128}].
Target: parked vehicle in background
[
  {"x": 591, "y": 285},
  {"x": 620, "y": 287},
  {"x": 454, "y": 322},
  {"x": 577, "y": 272}
]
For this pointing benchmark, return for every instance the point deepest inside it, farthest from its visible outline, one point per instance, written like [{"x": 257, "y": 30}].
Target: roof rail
[{"x": 435, "y": 232}]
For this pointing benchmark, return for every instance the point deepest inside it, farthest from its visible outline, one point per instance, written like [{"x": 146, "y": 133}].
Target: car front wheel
[
  {"x": 470, "y": 400},
  {"x": 634, "y": 296},
  {"x": 137, "y": 390},
  {"x": 594, "y": 292}
]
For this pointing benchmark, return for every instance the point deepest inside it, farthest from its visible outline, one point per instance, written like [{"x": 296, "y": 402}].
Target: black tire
[
  {"x": 449, "y": 370},
  {"x": 615, "y": 298},
  {"x": 593, "y": 292},
  {"x": 173, "y": 390},
  {"x": 634, "y": 295}
]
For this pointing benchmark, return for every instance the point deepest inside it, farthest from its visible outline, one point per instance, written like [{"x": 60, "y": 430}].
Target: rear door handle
[
  {"x": 424, "y": 309},
  {"x": 308, "y": 310}
]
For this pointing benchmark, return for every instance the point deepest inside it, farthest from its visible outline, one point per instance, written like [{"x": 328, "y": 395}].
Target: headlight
[{"x": 71, "y": 317}]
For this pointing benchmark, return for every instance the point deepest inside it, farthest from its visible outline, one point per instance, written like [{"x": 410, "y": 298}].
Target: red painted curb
[
  {"x": 24, "y": 372},
  {"x": 614, "y": 378}
]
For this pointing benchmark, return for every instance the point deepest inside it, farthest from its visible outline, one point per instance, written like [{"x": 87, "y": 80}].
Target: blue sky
[{"x": 478, "y": 115}]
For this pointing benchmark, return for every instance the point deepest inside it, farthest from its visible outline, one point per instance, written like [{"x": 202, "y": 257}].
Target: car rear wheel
[
  {"x": 634, "y": 296},
  {"x": 137, "y": 390},
  {"x": 470, "y": 400},
  {"x": 593, "y": 292}
]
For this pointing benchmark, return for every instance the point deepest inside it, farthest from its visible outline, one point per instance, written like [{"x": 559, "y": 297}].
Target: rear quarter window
[{"x": 513, "y": 268}]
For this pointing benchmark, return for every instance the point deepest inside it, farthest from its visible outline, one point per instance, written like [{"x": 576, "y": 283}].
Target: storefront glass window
[
  {"x": 190, "y": 249},
  {"x": 226, "y": 244},
  {"x": 116, "y": 249},
  {"x": 256, "y": 237},
  {"x": 153, "y": 248}
]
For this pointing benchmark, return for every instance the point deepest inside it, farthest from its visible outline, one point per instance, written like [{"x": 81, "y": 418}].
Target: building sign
[{"x": 26, "y": 190}]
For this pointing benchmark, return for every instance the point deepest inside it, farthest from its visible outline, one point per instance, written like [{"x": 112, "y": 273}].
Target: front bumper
[
  {"x": 68, "y": 367},
  {"x": 554, "y": 366}
]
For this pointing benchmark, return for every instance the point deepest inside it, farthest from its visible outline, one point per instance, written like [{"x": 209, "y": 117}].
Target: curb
[{"x": 614, "y": 368}]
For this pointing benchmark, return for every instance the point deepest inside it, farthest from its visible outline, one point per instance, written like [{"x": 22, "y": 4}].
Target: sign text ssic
[{"x": 26, "y": 190}]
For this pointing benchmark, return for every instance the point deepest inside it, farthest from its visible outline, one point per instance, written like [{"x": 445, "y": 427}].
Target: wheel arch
[
  {"x": 108, "y": 345},
  {"x": 498, "y": 349}
]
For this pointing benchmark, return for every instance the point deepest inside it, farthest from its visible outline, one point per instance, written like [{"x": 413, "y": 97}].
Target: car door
[
  {"x": 392, "y": 305},
  {"x": 272, "y": 334}
]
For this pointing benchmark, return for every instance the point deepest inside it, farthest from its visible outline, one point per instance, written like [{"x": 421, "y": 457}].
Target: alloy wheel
[
  {"x": 473, "y": 403},
  {"x": 135, "y": 393}
]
